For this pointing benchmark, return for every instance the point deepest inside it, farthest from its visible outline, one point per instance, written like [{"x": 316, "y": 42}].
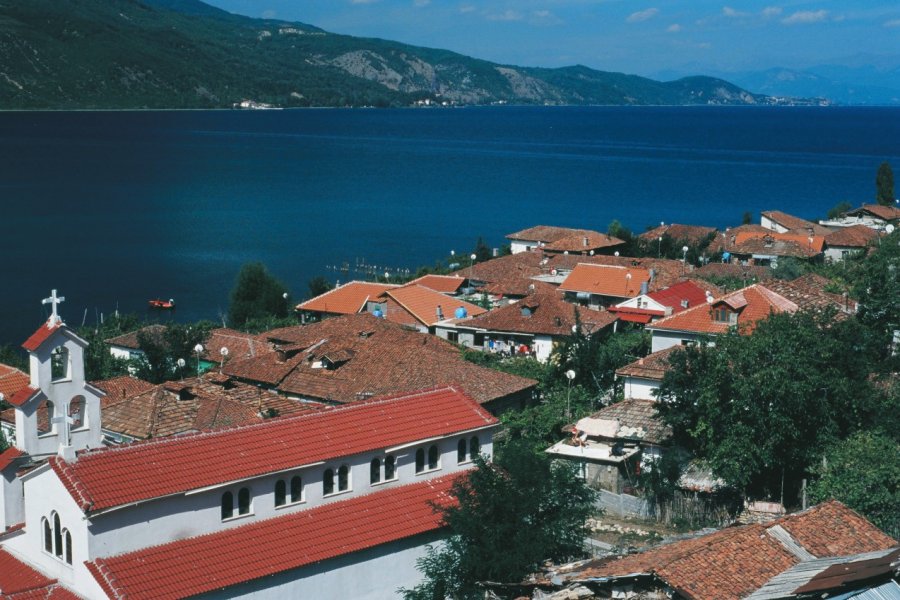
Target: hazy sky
[{"x": 632, "y": 36}]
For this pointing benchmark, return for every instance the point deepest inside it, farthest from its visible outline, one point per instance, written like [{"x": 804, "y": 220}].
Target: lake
[{"x": 115, "y": 208}]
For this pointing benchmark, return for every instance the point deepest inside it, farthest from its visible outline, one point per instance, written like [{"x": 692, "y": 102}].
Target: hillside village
[{"x": 312, "y": 459}]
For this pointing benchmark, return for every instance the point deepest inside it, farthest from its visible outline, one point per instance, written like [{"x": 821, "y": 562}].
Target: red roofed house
[
  {"x": 561, "y": 239},
  {"x": 335, "y": 503},
  {"x": 662, "y": 303},
  {"x": 599, "y": 286},
  {"x": 420, "y": 307},
  {"x": 12, "y": 381},
  {"x": 347, "y": 299}
]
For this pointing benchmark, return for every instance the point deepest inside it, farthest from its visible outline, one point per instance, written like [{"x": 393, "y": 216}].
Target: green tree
[
  {"x": 482, "y": 251},
  {"x": 876, "y": 284},
  {"x": 99, "y": 363},
  {"x": 511, "y": 516},
  {"x": 838, "y": 209},
  {"x": 761, "y": 408},
  {"x": 884, "y": 185},
  {"x": 13, "y": 357},
  {"x": 256, "y": 294},
  {"x": 318, "y": 285},
  {"x": 595, "y": 358},
  {"x": 163, "y": 348},
  {"x": 863, "y": 472},
  {"x": 747, "y": 218}
]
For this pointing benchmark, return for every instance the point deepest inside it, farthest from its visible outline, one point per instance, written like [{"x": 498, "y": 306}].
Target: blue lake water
[{"x": 114, "y": 208}]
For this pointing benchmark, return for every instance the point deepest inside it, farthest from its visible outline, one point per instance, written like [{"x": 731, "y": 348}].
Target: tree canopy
[
  {"x": 511, "y": 515},
  {"x": 257, "y": 295},
  {"x": 884, "y": 185}
]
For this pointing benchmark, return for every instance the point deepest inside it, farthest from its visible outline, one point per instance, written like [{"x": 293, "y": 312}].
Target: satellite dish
[
  {"x": 889, "y": 229},
  {"x": 223, "y": 351}
]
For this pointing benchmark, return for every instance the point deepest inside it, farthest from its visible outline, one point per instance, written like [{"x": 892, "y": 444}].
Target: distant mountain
[{"x": 68, "y": 54}]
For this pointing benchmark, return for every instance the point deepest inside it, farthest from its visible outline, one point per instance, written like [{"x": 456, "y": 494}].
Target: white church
[{"x": 331, "y": 504}]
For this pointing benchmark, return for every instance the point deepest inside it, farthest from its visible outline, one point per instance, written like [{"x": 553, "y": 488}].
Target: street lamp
[
  {"x": 684, "y": 251},
  {"x": 198, "y": 349},
  {"x": 180, "y": 362},
  {"x": 570, "y": 375},
  {"x": 659, "y": 248}
]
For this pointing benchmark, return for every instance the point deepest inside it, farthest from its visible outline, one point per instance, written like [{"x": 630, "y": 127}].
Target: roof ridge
[{"x": 72, "y": 482}]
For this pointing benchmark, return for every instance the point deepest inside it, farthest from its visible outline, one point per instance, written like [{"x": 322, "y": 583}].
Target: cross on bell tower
[{"x": 55, "y": 301}]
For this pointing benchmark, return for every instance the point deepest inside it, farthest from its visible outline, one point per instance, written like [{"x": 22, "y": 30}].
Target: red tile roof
[
  {"x": 446, "y": 284},
  {"x": 23, "y": 396},
  {"x": 238, "y": 343},
  {"x": 16, "y": 577},
  {"x": 8, "y": 456},
  {"x": 347, "y": 299},
  {"x": 688, "y": 291},
  {"x": 546, "y": 233},
  {"x": 887, "y": 213},
  {"x": 422, "y": 303},
  {"x": 777, "y": 244},
  {"x": 212, "y": 562},
  {"x": 130, "y": 340},
  {"x": 693, "y": 234},
  {"x": 605, "y": 280},
  {"x": 12, "y": 380},
  {"x": 41, "y": 335},
  {"x": 119, "y": 388},
  {"x": 855, "y": 236},
  {"x": 653, "y": 366},
  {"x": 141, "y": 471},
  {"x": 585, "y": 241},
  {"x": 734, "y": 562},
  {"x": 795, "y": 224}
]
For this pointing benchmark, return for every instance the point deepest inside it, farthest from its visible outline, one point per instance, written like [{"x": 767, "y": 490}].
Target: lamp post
[
  {"x": 570, "y": 375},
  {"x": 198, "y": 349},
  {"x": 180, "y": 362},
  {"x": 684, "y": 251},
  {"x": 659, "y": 248}
]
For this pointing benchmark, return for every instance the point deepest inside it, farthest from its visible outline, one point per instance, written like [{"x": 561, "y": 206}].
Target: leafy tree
[
  {"x": 761, "y": 408},
  {"x": 13, "y": 357},
  {"x": 838, "y": 209},
  {"x": 318, "y": 285},
  {"x": 541, "y": 425},
  {"x": 99, "y": 363},
  {"x": 482, "y": 251},
  {"x": 884, "y": 185},
  {"x": 595, "y": 358},
  {"x": 876, "y": 284},
  {"x": 863, "y": 472},
  {"x": 747, "y": 218},
  {"x": 162, "y": 349},
  {"x": 511, "y": 516},
  {"x": 256, "y": 294}
]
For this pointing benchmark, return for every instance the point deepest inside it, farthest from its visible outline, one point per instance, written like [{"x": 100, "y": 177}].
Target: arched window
[
  {"x": 227, "y": 505},
  {"x": 328, "y": 482},
  {"x": 343, "y": 478},
  {"x": 57, "y": 536},
  {"x": 67, "y": 539},
  {"x": 244, "y": 501},
  {"x": 48, "y": 535},
  {"x": 389, "y": 468},
  {"x": 375, "y": 470},
  {"x": 474, "y": 447},
  {"x": 420, "y": 460},
  {"x": 433, "y": 457},
  {"x": 59, "y": 363},
  {"x": 296, "y": 488},
  {"x": 45, "y": 413},
  {"x": 461, "y": 451},
  {"x": 76, "y": 411},
  {"x": 280, "y": 493}
]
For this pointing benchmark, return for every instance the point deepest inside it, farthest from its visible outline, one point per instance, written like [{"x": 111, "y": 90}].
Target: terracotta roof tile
[
  {"x": 130, "y": 339},
  {"x": 446, "y": 284},
  {"x": 8, "y": 456},
  {"x": 585, "y": 241},
  {"x": 776, "y": 244},
  {"x": 548, "y": 314},
  {"x": 422, "y": 303},
  {"x": 119, "y": 388},
  {"x": 238, "y": 343},
  {"x": 733, "y": 270},
  {"x": 795, "y": 224},
  {"x": 605, "y": 280},
  {"x": 23, "y": 396},
  {"x": 886, "y": 213},
  {"x": 202, "y": 564},
  {"x": 692, "y": 234},
  {"x": 17, "y": 577},
  {"x": 653, "y": 366},
  {"x": 691, "y": 292},
  {"x": 637, "y": 414},
  {"x": 41, "y": 335},
  {"x": 546, "y": 233},
  {"x": 855, "y": 236},
  {"x": 12, "y": 380},
  {"x": 141, "y": 471},
  {"x": 734, "y": 562},
  {"x": 347, "y": 299}
]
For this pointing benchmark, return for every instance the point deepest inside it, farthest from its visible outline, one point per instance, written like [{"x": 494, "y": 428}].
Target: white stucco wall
[
  {"x": 543, "y": 346},
  {"x": 12, "y": 503},
  {"x": 516, "y": 246},
  {"x": 642, "y": 389}
]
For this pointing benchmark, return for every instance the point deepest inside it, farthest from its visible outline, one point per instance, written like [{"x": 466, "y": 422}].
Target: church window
[
  {"x": 67, "y": 538},
  {"x": 227, "y": 505},
  {"x": 296, "y": 489},
  {"x": 474, "y": 447},
  {"x": 76, "y": 411},
  {"x": 433, "y": 457},
  {"x": 280, "y": 492},
  {"x": 48, "y": 535},
  {"x": 59, "y": 363},
  {"x": 375, "y": 470},
  {"x": 420, "y": 460},
  {"x": 343, "y": 478},
  {"x": 244, "y": 501},
  {"x": 45, "y": 413},
  {"x": 57, "y": 536},
  {"x": 328, "y": 482},
  {"x": 390, "y": 471},
  {"x": 461, "y": 448}
]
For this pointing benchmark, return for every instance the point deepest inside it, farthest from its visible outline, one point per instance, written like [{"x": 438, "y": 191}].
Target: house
[
  {"x": 334, "y": 503},
  {"x": 452, "y": 285},
  {"x": 347, "y": 299},
  {"x": 12, "y": 381},
  {"x": 224, "y": 344},
  {"x": 664, "y": 302},
  {"x": 846, "y": 241},
  {"x": 873, "y": 216},
  {"x": 610, "y": 445},
  {"x": 419, "y": 307},
  {"x": 781, "y": 222},
  {"x": 351, "y": 358},
  {"x": 599, "y": 286},
  {"x": 742, "y": 309},
  {"x": 126, "y": 346},
  {"x": 766, "y": 248},
  {"x": 692, "y": 235},
  {"x": 561, "y": 239},
  {"x": 642, "y": 378},
  {"x": 825, "y": 551},
  {"x": 535, "y": 324}
]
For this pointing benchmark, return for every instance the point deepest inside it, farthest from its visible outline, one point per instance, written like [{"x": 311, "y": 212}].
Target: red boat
[{"x": 162, "y": 304}]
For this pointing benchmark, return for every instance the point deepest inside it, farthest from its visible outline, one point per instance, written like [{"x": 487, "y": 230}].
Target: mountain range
[{"x": 125, "y": 54}]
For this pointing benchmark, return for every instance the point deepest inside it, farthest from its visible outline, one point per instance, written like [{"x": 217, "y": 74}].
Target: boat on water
[{"x": 162, "y": 304}]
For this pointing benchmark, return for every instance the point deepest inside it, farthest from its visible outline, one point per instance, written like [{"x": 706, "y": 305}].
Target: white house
[{"x": 330, "y": 504}]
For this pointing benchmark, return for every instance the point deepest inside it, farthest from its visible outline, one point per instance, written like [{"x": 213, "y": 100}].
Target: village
[{"x": 313, "y": 459}]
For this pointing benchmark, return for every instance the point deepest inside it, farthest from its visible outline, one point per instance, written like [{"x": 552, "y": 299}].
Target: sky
[{"x": 644, "y": 38}]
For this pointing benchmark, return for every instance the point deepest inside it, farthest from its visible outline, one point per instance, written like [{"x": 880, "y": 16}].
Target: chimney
[
  {"x": 440, "y": 313},
  {"x": 652, "y": 275},
  {"x": 645, "y": 287},
  {"x": 584, "y": 241}
]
